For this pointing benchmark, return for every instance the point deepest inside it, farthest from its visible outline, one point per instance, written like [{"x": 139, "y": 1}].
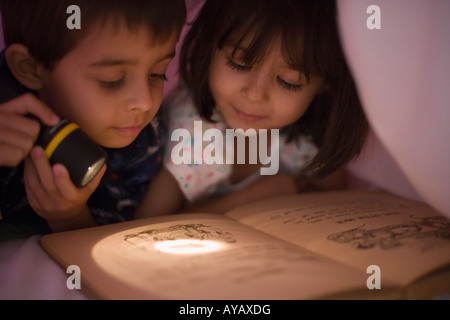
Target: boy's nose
[{"x": 142, "y": 99}]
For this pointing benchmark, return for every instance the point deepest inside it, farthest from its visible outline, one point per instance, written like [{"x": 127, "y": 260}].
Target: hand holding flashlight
[
  {"x": 54, "y": 193},
  {"x": 67, "y": 144},
  {"x": 18, "y": 132},
  {"x": 54, "y": 197}
]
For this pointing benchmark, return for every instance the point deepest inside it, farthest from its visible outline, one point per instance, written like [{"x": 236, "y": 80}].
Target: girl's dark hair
[
  {"x": 41, "y": 26},
  {"x": 310, "y": 44}
]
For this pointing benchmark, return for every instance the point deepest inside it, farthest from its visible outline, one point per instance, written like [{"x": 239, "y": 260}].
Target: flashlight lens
[{"x": 92, "y": 171}]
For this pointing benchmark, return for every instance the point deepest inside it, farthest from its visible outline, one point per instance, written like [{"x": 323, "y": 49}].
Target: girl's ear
[{"x": 23, "y": 66}]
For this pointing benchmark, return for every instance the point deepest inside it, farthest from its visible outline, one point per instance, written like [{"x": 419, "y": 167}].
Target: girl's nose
[{"x": 256, "y": 89}]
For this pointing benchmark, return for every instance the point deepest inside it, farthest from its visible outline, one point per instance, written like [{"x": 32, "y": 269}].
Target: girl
[{"x": 261, "y": 64}]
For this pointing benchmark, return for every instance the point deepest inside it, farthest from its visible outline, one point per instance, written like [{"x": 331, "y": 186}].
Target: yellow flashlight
[{"x": 67, "y": 144}]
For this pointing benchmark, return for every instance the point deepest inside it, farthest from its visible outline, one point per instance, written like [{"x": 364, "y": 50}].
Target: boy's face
[
  {"x": 111, "y": 84},
  {"x": 269, "y": 95}
]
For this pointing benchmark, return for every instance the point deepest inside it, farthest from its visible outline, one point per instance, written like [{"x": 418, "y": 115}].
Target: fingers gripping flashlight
[{"x": 67, "y": 144}]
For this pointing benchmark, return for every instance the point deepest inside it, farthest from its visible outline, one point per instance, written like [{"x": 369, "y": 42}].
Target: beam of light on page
[{"x": 188, "y": 246}]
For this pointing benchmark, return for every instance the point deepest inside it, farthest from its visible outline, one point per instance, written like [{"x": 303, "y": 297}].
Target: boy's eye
[
  {"x": 238, "y": 67},
  {"x": 157, "y": 76},
  {"x": 112, "y": 85},
  {"x": 289, "y": 86}
]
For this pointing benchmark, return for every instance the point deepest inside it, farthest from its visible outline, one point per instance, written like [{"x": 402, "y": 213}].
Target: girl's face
[
  {"x": 111, "y": 84},
  {"x": 269, "y": 95}
]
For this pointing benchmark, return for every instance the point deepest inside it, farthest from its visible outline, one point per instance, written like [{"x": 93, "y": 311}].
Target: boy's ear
[{"x": 23, "y": 66}]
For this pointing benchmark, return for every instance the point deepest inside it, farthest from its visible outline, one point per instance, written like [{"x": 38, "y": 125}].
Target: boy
[{"x": 107, "y": 76}]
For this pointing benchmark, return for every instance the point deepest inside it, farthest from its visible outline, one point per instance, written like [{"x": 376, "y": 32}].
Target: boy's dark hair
[
  {"x": 40, "y": 25},
  {"x": 310, "y": 44}
]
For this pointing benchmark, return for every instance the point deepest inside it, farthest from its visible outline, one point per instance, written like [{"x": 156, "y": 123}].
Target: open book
[{"x": 326, "y": 245}]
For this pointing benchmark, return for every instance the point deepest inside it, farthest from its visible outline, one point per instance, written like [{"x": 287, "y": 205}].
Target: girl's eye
[
  {"x": 112, "y": 85},
  {"x": 156, "y": 76},
  {"x": 289, "y": 86},
  {"x": 238, "y": 67}
]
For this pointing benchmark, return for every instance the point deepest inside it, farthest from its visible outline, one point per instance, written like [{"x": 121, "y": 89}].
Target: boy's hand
[
  {"x": 53, "y": 196},
  {"x": 18, "y": 133}
]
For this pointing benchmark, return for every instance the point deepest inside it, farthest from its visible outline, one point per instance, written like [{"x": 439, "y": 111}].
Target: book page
[
  {"x": 405, "y": 239},
  {"x": 197, "y": 257}
]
